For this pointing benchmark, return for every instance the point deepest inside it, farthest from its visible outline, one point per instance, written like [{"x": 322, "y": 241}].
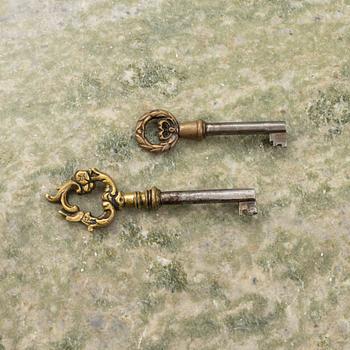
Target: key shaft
[
  {"x": 207, "y": 196},
  {"x": 245, "y": 128},
  {"x": 245, "y": 198}
]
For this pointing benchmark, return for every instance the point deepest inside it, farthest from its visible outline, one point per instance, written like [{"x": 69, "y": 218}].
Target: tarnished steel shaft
[
  {"x": 245, "y": 128},
  {"x": 245, "y": 198},
  {"x": 207, "y": 196}
]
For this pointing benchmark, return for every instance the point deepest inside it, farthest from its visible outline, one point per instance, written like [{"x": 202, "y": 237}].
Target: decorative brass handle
[
  {"x": 84, "y": 181},
  {"x": 169, "y": 130}
]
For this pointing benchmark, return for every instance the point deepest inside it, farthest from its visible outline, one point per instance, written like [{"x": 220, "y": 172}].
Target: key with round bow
[{"x": 170, "y": 130}]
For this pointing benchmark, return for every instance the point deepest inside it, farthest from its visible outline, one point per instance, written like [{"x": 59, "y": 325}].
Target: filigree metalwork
[
  {"x": 168, "y": 131},
  {"x": 84, "y": 181}
]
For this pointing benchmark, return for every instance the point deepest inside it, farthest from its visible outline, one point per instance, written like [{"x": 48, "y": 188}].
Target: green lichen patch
[
  {"x": 297, "y": 259},
  {"x": 103, "y": 303},
  {"x": 150, "y": 302},
  {"x": 61, "y": 172},
  {"x": 209, "y": 288},
  {"x": 331, "y": 107},
  {"x": 169, "y": 275},
  {"x": 163, "y": 343},
  {"x": 324, "y": 343},
  {"x": 216, "y": 290},
  {"x": 114, "y": 146},
  {"x": 265, "y": 210},
  {"x": 345, "y": 70},
  {"x": 202, "y": 326},
  {"x": 254, "y": 318},
  {"x": 2, "y": 188},
  {"x": 133, "y": 236},
  {"x": 284, "y": 8},
  {"x": 169, "y": 240},
  {"x": 332, "y": 297},
  {"x": 296, "y": 341},
  {"x": 316, "y": 311},
  {"x": 12, "y": 251},
  {"x": 153, "y": 74},
  {"x": 103, "y": 258},
  {"x": 2, "y": 347},
  {"x": 157, "y": 345},
  {"x": 73, "y": 340},
  {"x": 91, "y": 89},
  {"x": 314, "y": 201}
]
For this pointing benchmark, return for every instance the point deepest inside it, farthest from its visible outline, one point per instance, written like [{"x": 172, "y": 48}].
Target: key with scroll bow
[{"x": 84, "y": 181}]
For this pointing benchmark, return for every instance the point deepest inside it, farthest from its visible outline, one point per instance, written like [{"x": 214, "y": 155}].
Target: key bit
[
  {"x": 84, "y": 181},
  {"x": 169, "y": 130}
]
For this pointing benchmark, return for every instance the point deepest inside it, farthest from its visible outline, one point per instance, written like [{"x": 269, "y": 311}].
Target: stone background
[{"x": 75, "y": 76}]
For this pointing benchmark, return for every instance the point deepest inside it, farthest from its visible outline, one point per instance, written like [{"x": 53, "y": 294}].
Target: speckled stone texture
[{"x": 74, "y": 78}]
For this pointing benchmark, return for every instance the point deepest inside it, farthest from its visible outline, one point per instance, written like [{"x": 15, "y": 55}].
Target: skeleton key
[
  {"x": 169, "y": 130},
  {"x": 84, "y": 181}
]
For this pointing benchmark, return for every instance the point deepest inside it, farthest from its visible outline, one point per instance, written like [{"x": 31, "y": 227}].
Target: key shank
[
  {"x": 199, "y": 129},
  {"x": 245, "y": 128},
  {"x": 245, "y": 198},
  {"x": 154, "y": 198},
  {"x": 276, "y": 130}
]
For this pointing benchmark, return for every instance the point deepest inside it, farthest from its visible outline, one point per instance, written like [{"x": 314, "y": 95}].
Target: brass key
[
  {"x": 169, "y": 130},
  {"x": 84, "y": 181}
]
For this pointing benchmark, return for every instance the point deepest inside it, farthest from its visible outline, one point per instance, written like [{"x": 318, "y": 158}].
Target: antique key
[
  {"x": 169, "y": 130},
  {"x": 84, "y": 181}
]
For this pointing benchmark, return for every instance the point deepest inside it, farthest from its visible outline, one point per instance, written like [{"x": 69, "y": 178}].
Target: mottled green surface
[{"x": 75, "y": 76}]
